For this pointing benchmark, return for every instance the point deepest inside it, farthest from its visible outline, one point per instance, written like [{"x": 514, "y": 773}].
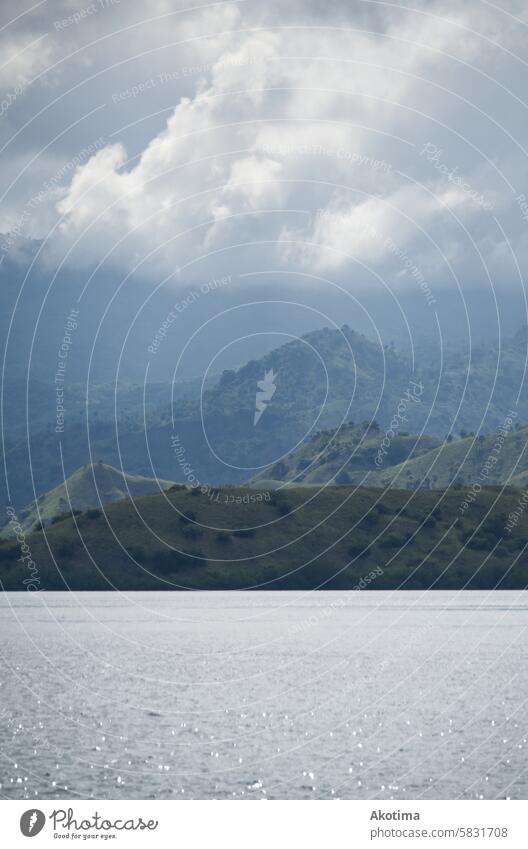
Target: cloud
[{"x": 299, "y": 134}]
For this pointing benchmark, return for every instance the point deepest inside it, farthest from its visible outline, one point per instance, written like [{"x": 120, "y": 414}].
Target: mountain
[
  {"x": 325, "y": 378},
  {"x": 38, "y": 455},
  {"x": 355, "y": 455},
  {"x": 320, "y": 379},
  {"x": 301, "y": 538},
  {"x": 88, "y": 488},
  {"x": 343, "y": 456},
  {"x": 472, "y": 388},
  {"x": 497, "y": 458},
  {"x": 32, "y": 406}
]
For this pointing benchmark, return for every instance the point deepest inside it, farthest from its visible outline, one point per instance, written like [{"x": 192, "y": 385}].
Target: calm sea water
[{"x": 276, "y": 695}]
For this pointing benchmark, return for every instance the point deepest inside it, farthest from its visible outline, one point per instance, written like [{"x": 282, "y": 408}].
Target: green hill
[
  {"x": 483, "y": 459},
  {"x": 86, "y": 489},
  {"x": 343, "y": 456},
  {"x": 300, "y": 538},
  {"x": 352, "y": 455}
]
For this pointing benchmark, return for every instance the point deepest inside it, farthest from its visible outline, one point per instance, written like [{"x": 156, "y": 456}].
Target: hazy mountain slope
[
  {"x": 317, "y": 382},
  {"x": 326, "y": 368},
  {"x": 470, "y": 390},
  {"x": 327, "y": 377},
  {"x": 35, "y": 404},
  {"x": 473, "y": 390}
]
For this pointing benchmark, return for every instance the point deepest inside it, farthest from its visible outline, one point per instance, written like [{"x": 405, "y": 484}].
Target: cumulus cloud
[{"x": 314, "y": 139}]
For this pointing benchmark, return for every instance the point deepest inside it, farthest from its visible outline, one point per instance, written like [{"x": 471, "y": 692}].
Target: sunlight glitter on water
[{"x": 219, "y": 695}]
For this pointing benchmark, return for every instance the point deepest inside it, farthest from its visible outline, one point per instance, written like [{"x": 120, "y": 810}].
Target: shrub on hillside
[{"x": 94, "y": 513}]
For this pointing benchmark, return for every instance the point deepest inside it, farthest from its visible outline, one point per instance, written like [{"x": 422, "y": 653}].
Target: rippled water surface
[{"x": 237, "y": 695}]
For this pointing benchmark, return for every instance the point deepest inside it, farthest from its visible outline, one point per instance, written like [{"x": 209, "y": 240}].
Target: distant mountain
[
  {"x": 88, "y": 488},
  {"x": 320, "y": 381},
  {"x": 35, "y": 452},
  {"x": 330, "y": 377},
  {"x": 325, "y": 377},
  {"x": 473, "y": 389},
  {"x": 338, "y": 538},
  {"x": 32, "y": 406}
]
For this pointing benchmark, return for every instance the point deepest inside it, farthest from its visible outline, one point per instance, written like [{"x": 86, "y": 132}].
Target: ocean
[{"x": 274, "y": 695}]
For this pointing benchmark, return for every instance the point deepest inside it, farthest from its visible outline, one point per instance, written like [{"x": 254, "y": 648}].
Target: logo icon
[
  {"x": 32, "y": 822},
  {"x": 266, "y": 391}
]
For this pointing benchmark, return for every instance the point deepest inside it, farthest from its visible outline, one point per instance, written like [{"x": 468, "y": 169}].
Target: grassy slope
[
  {"x": 463, "y": 460},
  {"x": 85, "y": 489},
  {"x": 411, "y": 461},
  {"x": 343, "y": 456},
  {"x": 339, "y": 537}
]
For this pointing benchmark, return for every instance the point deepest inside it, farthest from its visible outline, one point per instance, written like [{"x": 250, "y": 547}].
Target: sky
[{"x": 314, "y": 149}]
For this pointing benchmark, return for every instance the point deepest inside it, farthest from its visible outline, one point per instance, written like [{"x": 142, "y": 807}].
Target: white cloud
[{"x": 324, "y": 122}]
